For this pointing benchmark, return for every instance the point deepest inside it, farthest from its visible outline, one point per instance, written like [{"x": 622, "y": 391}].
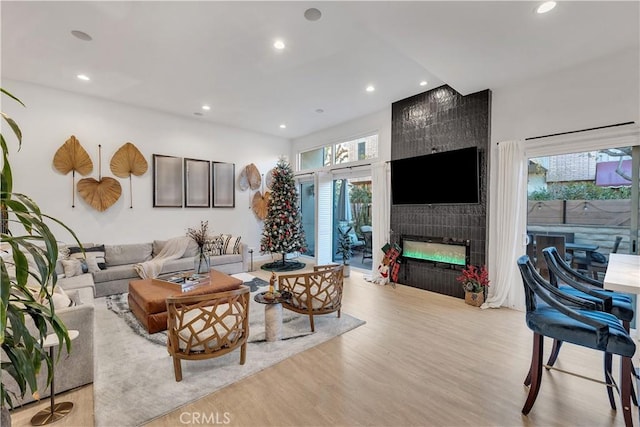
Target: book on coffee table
[{"x": 185, "y": 281}]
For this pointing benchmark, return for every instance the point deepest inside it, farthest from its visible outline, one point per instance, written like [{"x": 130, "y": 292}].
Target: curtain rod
[
  {"x": 577, "y": 131},
  {"x": 350, "y": 167},
  {"x": 303, "y": 174}
]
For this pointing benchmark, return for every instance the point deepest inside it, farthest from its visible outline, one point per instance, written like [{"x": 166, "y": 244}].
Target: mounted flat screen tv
[{"x": 448, "y": 177}]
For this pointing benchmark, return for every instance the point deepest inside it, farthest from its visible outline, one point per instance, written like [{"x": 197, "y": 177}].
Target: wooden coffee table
[{"x": 148, "y": 297}]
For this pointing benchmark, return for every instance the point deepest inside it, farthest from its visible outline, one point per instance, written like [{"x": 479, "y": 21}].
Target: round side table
[
  {"x": 57, "y": 410},
  {"x": 272, "y": 317}
]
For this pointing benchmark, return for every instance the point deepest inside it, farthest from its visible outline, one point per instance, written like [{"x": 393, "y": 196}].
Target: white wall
[
  {"x": 52, "y": 116},
  {"x": 598, "y": 93}
]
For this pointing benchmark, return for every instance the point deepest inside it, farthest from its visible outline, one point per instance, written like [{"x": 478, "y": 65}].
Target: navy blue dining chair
[
  {"x": 548, "y": 314},
  {"x": 572, "y": 282}
]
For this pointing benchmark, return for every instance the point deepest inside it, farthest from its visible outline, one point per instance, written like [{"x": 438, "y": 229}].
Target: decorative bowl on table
[{"x": 270, "y": 296}]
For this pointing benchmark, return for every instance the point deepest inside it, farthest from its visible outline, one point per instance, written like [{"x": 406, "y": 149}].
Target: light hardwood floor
[{"x": 422, "y": 359}]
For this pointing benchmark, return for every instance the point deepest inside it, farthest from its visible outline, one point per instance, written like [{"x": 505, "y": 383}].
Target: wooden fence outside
[{"x": 614, "y": 212}]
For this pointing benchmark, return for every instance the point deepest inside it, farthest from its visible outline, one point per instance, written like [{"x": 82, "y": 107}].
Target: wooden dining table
[{"x": 623, "y": 273}]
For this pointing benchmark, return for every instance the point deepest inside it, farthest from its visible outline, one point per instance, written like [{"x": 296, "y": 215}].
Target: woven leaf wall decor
[
  {"x": 127, "y": 161},
  {"x": 260, "y": 204},
  {"x": 71, "y": 157},
  {"x": 250, "y": 178},
  {"x": 100, "y": 193}
]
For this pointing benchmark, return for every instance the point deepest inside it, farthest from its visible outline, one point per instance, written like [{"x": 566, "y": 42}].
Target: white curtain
[
  {"x": 507, "y": 228},
  {"x": 380, "y": 211}
]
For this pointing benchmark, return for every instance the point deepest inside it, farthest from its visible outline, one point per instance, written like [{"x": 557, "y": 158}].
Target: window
[
  {"x": 345, "y": 152},
  {"x": 315, "y": 159}
]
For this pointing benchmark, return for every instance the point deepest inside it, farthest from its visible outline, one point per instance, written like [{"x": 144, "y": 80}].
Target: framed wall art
[
  {"x": 224, "y": 190},
  {"x": 167, "y": 181},
  {"x": 197, "y": 183}
]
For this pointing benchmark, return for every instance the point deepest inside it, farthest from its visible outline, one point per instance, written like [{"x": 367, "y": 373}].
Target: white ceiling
[{"x": 175, "y": 56}]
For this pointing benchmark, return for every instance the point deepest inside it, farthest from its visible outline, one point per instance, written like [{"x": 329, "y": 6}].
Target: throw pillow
[
  {"x": 97, "y": 252},
  {"x": 231, "y": 244},
  {"x": 59, "y": 297},
  {"x": 214, "y": 245},
  {"x": 63, "y": 252},
  {"x": 92, "y": 264},
  {"x": 74, "y": 267}
]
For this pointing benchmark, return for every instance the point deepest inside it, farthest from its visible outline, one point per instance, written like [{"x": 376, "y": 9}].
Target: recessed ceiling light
[
  {"x": 83, "y": 77},
  {"x": 206, "y": 107},
  {"x": 283, "y": 126},
  {"x": 370, "y": 88},
  {"x": 312, "y": 14},
  {"x": 81, "y": 35},
  {"x": 279, "y": 44},
  {"x": 546, "y": 7},
  {"x": 423, "y": 83}
]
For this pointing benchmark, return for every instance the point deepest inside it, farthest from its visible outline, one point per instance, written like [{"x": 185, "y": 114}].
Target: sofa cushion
[
  {"x": 77, "y": 282},
  {"x": 180, "y": 264},
  {"x": 117, "y": 272},
  {"x": 127, "y": 253},
  {"x": 225, "y": 259}
]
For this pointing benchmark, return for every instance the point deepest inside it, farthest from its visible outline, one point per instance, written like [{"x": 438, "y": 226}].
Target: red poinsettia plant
[{"x": 474, "y": 279}]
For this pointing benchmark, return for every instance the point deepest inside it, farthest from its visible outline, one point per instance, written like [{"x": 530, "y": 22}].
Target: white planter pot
[{"x": 346, "y": 271}]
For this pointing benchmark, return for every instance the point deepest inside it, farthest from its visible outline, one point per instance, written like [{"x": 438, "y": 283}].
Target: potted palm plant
[
  {"x": 344, "y": 248},
  {"x": 30, "y": 253}
]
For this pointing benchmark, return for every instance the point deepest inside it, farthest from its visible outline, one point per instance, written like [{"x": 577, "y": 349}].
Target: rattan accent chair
[
  {"x": 206, "y": 326},
  {"x": 314, "y": 293}
]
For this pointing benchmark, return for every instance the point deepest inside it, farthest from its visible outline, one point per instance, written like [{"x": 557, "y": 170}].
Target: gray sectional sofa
[{"x": 120, "y": 261}]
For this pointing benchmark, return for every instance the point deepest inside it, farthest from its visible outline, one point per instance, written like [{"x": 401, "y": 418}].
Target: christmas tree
[{"x": 283, "y": 231}]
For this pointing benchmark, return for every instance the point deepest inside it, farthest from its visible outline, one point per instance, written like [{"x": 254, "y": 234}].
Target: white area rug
[{"x": 135, "y": 383}]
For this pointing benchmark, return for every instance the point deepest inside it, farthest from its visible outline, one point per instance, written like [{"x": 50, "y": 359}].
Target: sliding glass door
[
  {"x": 352, "y": 216},
  {"x": 589, "y": 198},
  {"x": 306, "y": 190}
]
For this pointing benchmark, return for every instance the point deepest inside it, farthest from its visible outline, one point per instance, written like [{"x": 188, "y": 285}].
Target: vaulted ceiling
[{"x": 176, "y": 56}]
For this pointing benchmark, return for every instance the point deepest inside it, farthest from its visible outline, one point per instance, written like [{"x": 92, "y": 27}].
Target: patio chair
[
  {"x": 544, "y": 241},
  {"x": 548, "y": 315},
  {"x": 205, "y": 326},
  {"x": 367, "y": 249},
  {"x": 597, "y": 262}
]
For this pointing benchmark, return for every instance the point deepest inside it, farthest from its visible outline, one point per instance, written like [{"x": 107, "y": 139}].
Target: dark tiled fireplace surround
[{"x": 434, "y": 121}]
